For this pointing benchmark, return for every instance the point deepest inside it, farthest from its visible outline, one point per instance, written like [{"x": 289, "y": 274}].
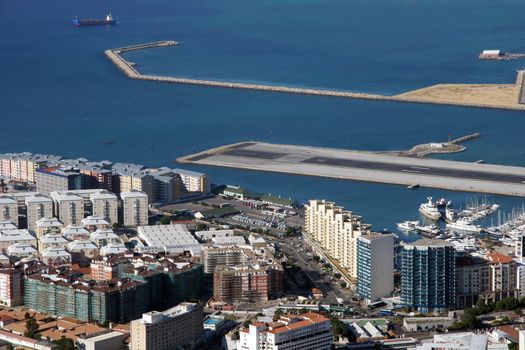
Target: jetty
[
  {"x": 365, "y": 166},
  {"x": 498, "y": 55},
  {"x": 475, "y": 96}
]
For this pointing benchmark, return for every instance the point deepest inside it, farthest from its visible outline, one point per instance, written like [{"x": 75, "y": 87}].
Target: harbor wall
[{"x": 126, "y": 67}]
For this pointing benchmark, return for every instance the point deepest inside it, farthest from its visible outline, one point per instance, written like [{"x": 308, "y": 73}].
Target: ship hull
[{"x": 94, "y": 22}]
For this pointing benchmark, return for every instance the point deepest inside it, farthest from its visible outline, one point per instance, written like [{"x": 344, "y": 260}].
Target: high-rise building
[
  {"x": 69, "y": 207},
  {"x": 309, "y": 331},
  {"x": 375, "y": 266},
  {"x": 428, "y": 275},
  {"x": 336, "y": 230},
  {"x": 140, "y": 181},
  {"x": 57, "y": 179},
  {"x": 213, "y": 257},
  {"x": 176, "y": 328},
  {"x": 38, "y": 207},
  {"x": 96, "y": 177},
  {"x": 105, "y": 205},
  {"x": 134, "y": 208},
  {"x": 11, "y": 287},
  {"x": 9, "y": 209},
  {"x": 248, "y": 284}
]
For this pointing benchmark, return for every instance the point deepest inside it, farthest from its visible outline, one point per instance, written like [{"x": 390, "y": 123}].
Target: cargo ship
[{"x": 94, "y": 22}]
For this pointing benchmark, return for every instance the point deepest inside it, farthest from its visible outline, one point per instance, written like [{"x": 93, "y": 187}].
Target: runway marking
[
  {"x": 411, "y": 171},
  {"x": 419, "y": 167}
]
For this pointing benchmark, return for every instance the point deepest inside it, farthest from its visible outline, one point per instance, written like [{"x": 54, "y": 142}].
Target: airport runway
[{"x": 367, "y": 166}]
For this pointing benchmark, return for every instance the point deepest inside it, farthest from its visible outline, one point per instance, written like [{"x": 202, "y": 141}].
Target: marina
[
  {"x": 365, "y": 166},
  {"x": 474, "y": 95}
]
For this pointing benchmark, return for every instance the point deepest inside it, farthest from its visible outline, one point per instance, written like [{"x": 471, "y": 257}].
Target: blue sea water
[{"x": 59, "y": 94}]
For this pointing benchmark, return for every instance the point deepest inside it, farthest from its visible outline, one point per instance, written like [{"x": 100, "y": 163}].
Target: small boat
[
  {"x": 409, "y": 226},
  {"x": 430, "y": 210}
]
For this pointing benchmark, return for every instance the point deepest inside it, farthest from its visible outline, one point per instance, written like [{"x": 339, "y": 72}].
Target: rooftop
[{"x": 499, "y": 258}]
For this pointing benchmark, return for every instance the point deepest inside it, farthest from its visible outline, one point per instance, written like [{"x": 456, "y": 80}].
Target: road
[{"x": 296, "y": 249}]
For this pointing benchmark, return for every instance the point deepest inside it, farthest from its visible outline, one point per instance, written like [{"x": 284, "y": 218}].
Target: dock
[
  {"x": 129, "y": 69},
  {"x": 365, "y": 166}
]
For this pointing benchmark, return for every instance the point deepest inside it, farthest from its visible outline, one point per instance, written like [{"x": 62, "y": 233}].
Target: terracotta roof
[
  {"x": 499, "y": 258},
  {"x": 511, "y": 332},
  {"x": 307, "y": 320}
]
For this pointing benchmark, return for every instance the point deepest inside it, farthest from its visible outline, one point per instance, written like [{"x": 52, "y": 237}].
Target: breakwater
[{"x": 115, "y": 55}]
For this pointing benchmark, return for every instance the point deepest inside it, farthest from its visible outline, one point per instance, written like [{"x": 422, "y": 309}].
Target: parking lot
[{"x": 276, "y": 221}]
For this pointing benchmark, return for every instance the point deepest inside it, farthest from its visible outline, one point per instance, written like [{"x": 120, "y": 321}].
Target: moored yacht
[
  {"x": 409, "y": 226},
  {"x": 430, "y": 210},
  {"x": 463, "y": 225}
]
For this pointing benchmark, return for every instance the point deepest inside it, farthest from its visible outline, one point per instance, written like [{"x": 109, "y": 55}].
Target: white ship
[
  {"x": 409, "y": 226},
  {"x": 430, "y": 210},
  {"x": 463, "y": 225}
]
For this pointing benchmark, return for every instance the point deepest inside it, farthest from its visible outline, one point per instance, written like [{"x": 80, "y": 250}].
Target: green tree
[
  {"x": 337, "y": 275},
  {"x": 278, "y": 313},
  {"x": 166, "y": 220},
  {"x": 201, "y": 227},
  {"x": 316, "y": 258},
  {"x": 342, "y": 284},
  {"x": 247, "y": 323},
  {"x": 31, "y": 328},
  {"x": 469, "y": 319},
  {"x": 64, "y": 344}
]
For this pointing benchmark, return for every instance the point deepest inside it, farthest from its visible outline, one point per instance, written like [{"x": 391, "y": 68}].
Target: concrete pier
[
  {"x": 366, "y": 166},
  {"x": 127, "y": 68}
]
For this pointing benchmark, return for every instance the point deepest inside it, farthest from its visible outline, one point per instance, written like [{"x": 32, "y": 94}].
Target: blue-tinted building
[
  {"x": 375, "y": 266},
  {"x": 428, "y": 279},
  {"x": 58, "y": 179}
]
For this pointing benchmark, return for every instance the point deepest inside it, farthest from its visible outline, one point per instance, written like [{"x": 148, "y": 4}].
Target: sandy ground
[{"x": 505, "y": 95}]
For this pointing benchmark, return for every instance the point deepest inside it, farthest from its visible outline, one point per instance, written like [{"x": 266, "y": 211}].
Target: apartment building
[
  {"x": 48, "y": 226},
  {"x": 140, "y": 181},
  {"x": 193, "y": 181},
  {"x": 38, "y": 207},
  {"x": 253, "y": 283},
  {"x": 177, "y": 328},
  {"x": 105, "y": 205},
  {"x": 57, "y": 179},
  {"x": 502, "y": 277},
  {"x": 10, "y": 237},
  {"x": 9, "y": 209},
  {"x": 243, "y": 274},
  {"x": 472, "y": 280},
  {"x": 336, "y": 230},
  {"x": 69, "y": 207},
  {"x": 96, "y": 177},
  {"x": 134, "y": 208},
  {"x": 428, "y": 278},
  {"x": 375, "y": 266},
  {"x": 11, "y": 287},
  {"x": 309, "y": 331},
  {"x": 167, "y": 185},
  {"x": 214, "y": 257}
]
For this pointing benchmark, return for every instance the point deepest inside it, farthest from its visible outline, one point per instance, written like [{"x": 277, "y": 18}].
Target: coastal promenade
[
  {"x": 419, "y": 96},
  {"x": 366, "y": 166}
]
